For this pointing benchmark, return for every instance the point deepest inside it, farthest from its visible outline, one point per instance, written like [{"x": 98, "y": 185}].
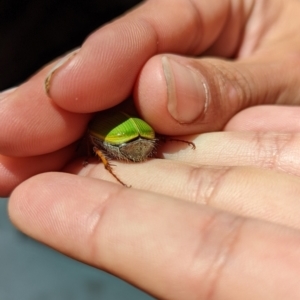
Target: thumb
[{"x": 205, "y": 93}]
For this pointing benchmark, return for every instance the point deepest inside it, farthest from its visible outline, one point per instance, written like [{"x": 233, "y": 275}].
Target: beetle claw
[{"x": 109, "y": 169}]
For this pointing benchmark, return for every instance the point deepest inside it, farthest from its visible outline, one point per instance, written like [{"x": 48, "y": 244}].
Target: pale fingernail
[
  {"x": 6, "y": 93},
  {"x": 187, "y": 91},
  {"x": 58, "y": 65}
]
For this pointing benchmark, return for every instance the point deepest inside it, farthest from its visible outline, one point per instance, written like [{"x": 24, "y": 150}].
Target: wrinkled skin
[{"x": 218, "y": 222}]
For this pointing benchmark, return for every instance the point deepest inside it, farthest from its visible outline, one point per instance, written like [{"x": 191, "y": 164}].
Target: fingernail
[
  {"x": 187, "y": 91},
  {"x": 6, "y": 93},
  {"x": 58, "y": 65}
]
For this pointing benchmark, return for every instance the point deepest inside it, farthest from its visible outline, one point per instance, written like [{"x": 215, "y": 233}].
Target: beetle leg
[
  {"x": 164, "y": 139},
  {"x": 107, "y": 165}
]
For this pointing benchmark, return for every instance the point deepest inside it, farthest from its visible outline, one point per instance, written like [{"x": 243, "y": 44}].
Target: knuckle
[
  {"x": 272, "y": 148},
  {"x": 205, "y": 183},
  {"x": 98, "y": 221},
  {"x": 235, "y": 83},
  {"x": 219, "y": 237},
  {"x": 230, "y": 87}
]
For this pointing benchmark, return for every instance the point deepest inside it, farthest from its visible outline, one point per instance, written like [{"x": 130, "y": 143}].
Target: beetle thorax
[{"x": 137, "y": 150}]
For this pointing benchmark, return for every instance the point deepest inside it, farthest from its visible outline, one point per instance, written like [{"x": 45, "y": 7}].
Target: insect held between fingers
[{"x": 121, "y": 136}]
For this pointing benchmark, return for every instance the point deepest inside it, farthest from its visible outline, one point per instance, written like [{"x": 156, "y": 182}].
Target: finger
[
  {"x": 99, "y": 76},
  {"x": 268, "y": 150},
  {"x": 103, "y": 72},
  {"x": 31, "y": 124},
  {"x": 246, "y": 191},
  {"x": 211, "y": 254},
  {"x": 266, "y": 118},
  {"x": 205, "y": 93},
  {"x": 200, "y": 95},
  {"x": 14, "y": 170}
]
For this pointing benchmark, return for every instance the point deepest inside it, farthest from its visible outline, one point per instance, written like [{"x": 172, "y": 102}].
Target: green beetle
[{"x": 119, "y": 135}]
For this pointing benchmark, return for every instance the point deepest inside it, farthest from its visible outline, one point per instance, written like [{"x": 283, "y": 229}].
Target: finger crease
[
  {"x": 206, "y": 183},
  {"x": 223, "y": 252},
  {"x": 95, "y": 222}
]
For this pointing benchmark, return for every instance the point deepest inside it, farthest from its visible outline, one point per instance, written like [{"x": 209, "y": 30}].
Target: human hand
[
  {"x": 167, "y": 242},
  {"x": 262, "y": 36},
  {"x": 188, "y": 231}
]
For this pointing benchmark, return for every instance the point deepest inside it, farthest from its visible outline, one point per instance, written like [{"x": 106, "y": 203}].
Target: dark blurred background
[{"x": 32, "y": 33}]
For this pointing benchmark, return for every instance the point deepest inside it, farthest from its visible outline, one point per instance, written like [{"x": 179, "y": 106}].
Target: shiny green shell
[{"x": 117, "y": 128}]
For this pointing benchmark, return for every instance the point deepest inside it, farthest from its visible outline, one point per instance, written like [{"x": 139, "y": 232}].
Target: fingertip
[
  {"x": 150, "y": 94},
  {"x": 57, "y": 65},
  {"x": 20, "y": 202},
  {"x": 54, "y": 207},
  {"x": 103, "y": 72},
  {"x": 172, "y": 96},
  {"x": 32, "y": 124},
  {"x": 36, "y": 206}
]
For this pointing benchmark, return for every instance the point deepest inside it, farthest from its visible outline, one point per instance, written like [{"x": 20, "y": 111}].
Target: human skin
[{"x": 218, "y": 222}]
